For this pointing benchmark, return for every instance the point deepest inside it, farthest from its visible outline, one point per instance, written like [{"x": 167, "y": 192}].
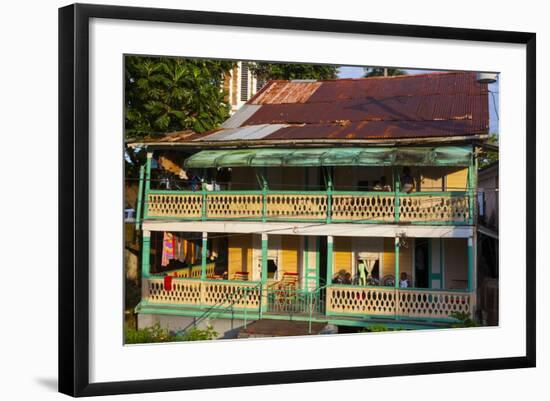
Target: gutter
[{"x": 310, "y": 142}]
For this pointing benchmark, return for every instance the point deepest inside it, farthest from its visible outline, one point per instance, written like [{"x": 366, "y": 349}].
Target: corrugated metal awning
[{"x": 376, "y": 156}]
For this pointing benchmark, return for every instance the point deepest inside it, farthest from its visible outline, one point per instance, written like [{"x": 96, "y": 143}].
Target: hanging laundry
[
  {"x": 168, "y": 283},
  {"x": 167, "y": 249}
]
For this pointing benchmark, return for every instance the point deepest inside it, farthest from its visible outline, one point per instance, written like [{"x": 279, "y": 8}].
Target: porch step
[{"x": 277, "y": 328}]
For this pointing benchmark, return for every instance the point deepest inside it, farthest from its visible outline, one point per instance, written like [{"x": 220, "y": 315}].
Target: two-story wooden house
[{"x": 348, "y": 201}]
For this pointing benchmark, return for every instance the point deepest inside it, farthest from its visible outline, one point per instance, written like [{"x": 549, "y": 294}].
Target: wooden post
[
  {"x": 472, "y": 176},
  {"x": 203, "y": 196},
  {"x": 397, "y": 188},
  {"x": 263, "y": 277},
  {"x": 140, "y": 196},
  {"x": 329, "y": 193},
  {"x": 396, "y": 262},
  {"x": 147, "y": 183},
  {"x": 264, "y": 196},
  {"x": 146, "y": 254},
  {"x": 330, "y": 252},
  {"x": 203, "y": 255},
  {"x": 470, "y": 264}
]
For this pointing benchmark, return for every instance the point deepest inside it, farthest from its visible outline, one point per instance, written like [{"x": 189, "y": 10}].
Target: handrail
[
  {"x": 215, "y": 307},
  {"x": 334, "y": 209}
]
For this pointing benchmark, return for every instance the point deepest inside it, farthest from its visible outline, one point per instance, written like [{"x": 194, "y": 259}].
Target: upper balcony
[{"x": 421, "y": 189}]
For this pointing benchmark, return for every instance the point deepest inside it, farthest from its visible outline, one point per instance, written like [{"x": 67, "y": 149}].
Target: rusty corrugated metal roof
[{"x": 403, "y": 107}]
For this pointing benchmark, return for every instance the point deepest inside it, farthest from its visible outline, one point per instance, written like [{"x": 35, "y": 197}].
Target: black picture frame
[{"x": 74, "y": 198}]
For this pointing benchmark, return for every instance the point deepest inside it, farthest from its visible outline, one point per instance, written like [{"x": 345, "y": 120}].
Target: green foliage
[
  {"x": 154, "y": 334},
  {"x": 378, "y": 328},
  {"x": 157, "y": 334},
  {"x": 196, "y": 334},
  {"x": 489, "y": 156},
  {"x": 379, "y": 72},
  {"x": 463, "y": 320},
  {"x": 173, "y": 94},
  {"x": 267, "y": 71}
]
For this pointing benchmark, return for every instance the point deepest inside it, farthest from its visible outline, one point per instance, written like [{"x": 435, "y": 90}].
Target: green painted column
[
  {"x": 397, "y": 187},
  {"x": 147, "y": 183},
  {"x": 263, "y": 277},
  {"x": 470, "y": 263},
  {"x": 329, "y": 194},
  {"x": 203, "y": 255},
  {"x": 140, "y": 196},
  {"x": 330, "y": 253},
  {"x": 396, "y": 262},
  {"x": 203, "y": 196},
  {"x": 472, "y": 190},
  {"x": 264, "y": 195},
  {"x": 317, "y": 261},
  {"x": 145, "y": 254}
]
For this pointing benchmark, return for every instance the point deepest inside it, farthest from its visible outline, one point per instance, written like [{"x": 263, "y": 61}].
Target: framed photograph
[{"x": 252, "y": 199}]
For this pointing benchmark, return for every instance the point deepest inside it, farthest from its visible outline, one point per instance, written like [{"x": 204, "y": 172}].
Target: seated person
[
  {"x": 407, "y": 181},
  {"x": 404, "y": 280},
  {"x": 385, "y": 186}
]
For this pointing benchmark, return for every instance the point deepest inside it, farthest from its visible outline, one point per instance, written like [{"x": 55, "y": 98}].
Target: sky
[{"x": 357, "y": 72}]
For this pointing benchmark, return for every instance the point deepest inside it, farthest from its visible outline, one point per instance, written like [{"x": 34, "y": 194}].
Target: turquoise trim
[
  {"x": 204, "y": 251},
  {"x": 470, "y": 263},
  {"x": 330, "y": 255},
  {"x": 145, "y": 256},
  {"x": 404, "y": 323},
  {"x": 140, "y": 196},
  {"x": 147, "y": 184},
  {"x": 396, "y": 250},
  {"x": 328, "y": 193}
]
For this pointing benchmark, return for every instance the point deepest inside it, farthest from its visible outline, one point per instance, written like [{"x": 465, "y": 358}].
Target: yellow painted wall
[
  {"x": 342, "y": 254},
  {"x": 405, "y": 258},
  {"x": 456, "y": 263},
  {"x": 431, "y": 179},
  {"x": 290, "y": 247},
  {"x": 457, "y": 179},
  {"x": 240, "y": 255}
]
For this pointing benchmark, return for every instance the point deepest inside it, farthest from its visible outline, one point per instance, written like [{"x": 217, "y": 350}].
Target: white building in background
[{"x": 241, "y": 85}]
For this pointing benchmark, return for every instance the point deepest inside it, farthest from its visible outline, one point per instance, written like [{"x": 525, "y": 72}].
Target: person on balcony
[
  {"x": 404, "y": 280},
  {"x": 362, "y": 272},
  {"x": 407, "y": 181}
]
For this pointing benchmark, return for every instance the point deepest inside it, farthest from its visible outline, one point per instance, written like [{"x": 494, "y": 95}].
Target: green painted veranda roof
[{"x": 375, "y": 156}]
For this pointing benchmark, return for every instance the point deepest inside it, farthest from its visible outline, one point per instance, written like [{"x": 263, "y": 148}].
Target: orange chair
[{"x": 241, "y": 276}]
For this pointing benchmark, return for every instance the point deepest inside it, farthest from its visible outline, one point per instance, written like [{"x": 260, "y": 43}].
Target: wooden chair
[
  {"x": 241, "y": 276},
  {"x": 289, "y": 281}
]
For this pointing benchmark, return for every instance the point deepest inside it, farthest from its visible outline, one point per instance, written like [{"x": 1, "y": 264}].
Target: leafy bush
[
  {"x": 196, "y": 334},
  {"x": 463, "y": 320},
  {"x": 154, "y": 334},
  {"x": 157, "y": 334},
  {"x": 379, "y": 328}
]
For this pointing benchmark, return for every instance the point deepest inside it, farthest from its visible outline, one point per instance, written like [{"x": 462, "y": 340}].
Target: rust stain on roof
[
  {"x": 286, "y": 92},
  {"x": 411, "y": 106}
]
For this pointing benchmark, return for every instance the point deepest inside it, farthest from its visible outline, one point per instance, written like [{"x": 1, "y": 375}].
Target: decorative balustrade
[
  {"x": 361, "y": 300},
  {"x": 162, "y": 204},
  {"x": 410, "y": 303},
  {"x": 234, "y": 206},
  {"x": 241, "y": 295},
  {"x": 365, "y": 207},
  {"x": 198, "y": 293},
  {"x": 441, "y": 208},
  {"x": 342, "y": 300},
  {"x": 368, "y": 207},
  {"x": 184, "y": 292},
  {"x": 296, "y": 206}
]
